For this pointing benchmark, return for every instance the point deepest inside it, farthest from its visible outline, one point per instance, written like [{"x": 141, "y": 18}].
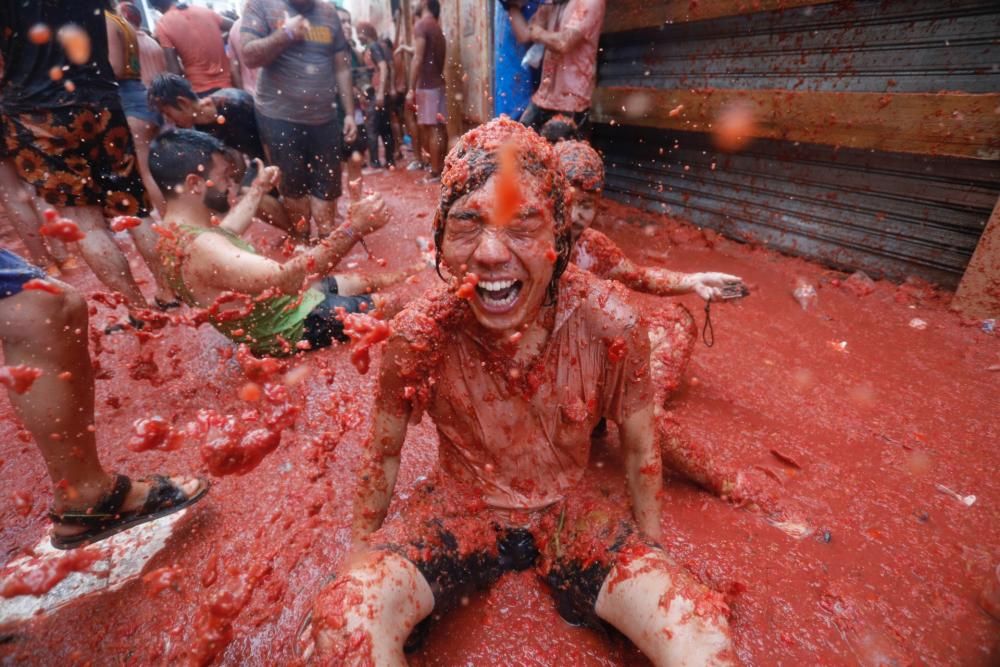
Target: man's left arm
[{"x": 241, "y": 215}]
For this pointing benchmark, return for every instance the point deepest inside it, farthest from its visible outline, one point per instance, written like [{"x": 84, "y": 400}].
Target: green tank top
[{"x": 269, "y": 320}]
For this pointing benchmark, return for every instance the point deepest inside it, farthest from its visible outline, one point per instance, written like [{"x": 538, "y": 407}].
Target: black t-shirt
[
  {"x": 239, "y": 131},
  {"x": 26, "y": 84}
]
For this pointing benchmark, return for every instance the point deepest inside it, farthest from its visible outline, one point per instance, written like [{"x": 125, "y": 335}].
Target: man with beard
[
  {"x": 515, "y": 364},
  {"x": 271, "y": 307}
]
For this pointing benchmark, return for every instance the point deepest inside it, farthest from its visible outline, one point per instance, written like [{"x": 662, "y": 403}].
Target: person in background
[
  {"x": 409, "y": 106},
  {"x": 377, "y": 122},
  {"x": 243, "y": 77},
  {"x": 152, "y": 59},
  {"x": 290, "y": 306},
  {"x": 569, "y": 31},
  {"x": 69, "y": 138},
  {"x": 191, "y": 36},
  {"x": 353, "y": 153},
  {"x": 397, "y": 96},
  {"x": 143, "y": 122},
  {"x": 50, "y": 382},
  {"x": 173, "y": 96},
  {"x": 426, "y": 88},
  {"x": 298, "y": 44}
]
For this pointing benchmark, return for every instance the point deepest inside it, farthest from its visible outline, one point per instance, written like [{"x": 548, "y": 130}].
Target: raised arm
[
  {"x": 240, "y": 216},
  {"x": 261, "y": 51},
  {"x": 380, "y": 463},
  {"x": 225, "y": 267},
  {"x": 521, "y": 26}
]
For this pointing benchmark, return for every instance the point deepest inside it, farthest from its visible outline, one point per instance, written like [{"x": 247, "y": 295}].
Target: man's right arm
[
  {"x": 380, "y": 465},
  {"x": 261, "y": 51}
]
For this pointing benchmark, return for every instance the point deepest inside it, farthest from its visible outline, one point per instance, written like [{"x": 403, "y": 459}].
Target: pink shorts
[{"x": 431, "y": 109}]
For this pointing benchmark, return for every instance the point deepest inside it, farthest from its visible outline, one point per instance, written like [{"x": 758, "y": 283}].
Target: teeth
[{"x": 495, "y": 285}]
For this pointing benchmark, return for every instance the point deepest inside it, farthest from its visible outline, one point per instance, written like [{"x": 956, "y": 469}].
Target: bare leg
[
  {"x": 103, "y": 255},
  {"x": 16, "y": 201},
  {"x": 325, "y": 214},
  {"x": 146, "y": 240},
  {"x": 651, "y": 600},
  {"x": 437, "y": 147},
  {"x": 365, "y": 616},
  {"x": 56, "y": 247},
  {"x": 49, "y": 332},
  {"x": 142, "y": 134}
]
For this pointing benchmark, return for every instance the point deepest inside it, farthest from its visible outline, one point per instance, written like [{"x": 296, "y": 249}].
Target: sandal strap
[
  {"x": 163, "y": 493},
  {"x": 108, "y": 509}
]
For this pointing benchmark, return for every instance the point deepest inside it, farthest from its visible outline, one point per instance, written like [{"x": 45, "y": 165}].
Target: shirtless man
[
  {"x": 273, "y": 308},
  {"x": 515, "y": 367}
]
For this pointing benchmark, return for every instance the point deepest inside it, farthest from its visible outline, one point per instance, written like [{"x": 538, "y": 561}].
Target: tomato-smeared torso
[{"x": 521, "y": 431}]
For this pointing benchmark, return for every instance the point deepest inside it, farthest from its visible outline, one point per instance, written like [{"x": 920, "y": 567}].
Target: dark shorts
[
  {"x": 78, "y": 156},
  {"x": 461, "y": 546},
  {"x": 535, "y": 116},
  {"x": 135, "y": 102},
  {"x": 14, "y": 272},
  {"x": 308, "y": 156},
  {"x": 322, "y": 326}
]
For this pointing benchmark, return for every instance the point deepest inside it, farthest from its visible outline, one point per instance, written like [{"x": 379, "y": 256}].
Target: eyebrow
[{"x": 465, "y": 214}]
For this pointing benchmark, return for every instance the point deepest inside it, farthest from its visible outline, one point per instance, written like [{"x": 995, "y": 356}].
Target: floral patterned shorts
[{"x": 78, "y": 156}]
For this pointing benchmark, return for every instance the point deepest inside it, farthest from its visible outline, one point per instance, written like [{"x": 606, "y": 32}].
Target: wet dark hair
[
  {"x": 434, "y": 7},
  {"x": 475, "y": 158},
  {"x": 176, "y": 153},
  {"x": 367, "y": 30},
  {"x": 559, "y": 128},
  {"x": 581, "y": 165},
  {"x": 165, "y": 89},
  {"x": 162, "y": 5}
]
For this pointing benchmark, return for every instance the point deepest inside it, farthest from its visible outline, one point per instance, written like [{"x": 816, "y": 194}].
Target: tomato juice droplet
[{"x": 39, "y": 34}]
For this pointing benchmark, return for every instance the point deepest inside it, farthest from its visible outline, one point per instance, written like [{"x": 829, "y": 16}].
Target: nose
[{"x": 491, "y": 250}]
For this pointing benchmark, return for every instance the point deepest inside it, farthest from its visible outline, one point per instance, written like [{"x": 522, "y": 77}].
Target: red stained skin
[
  {"x": 47, "y": 574},
  {"x": 18, "y": 379},
  {"x": 42, "y": 286}
]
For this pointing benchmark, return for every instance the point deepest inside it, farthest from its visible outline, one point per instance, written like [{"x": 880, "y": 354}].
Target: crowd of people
[{"x": 529, "y": 347}]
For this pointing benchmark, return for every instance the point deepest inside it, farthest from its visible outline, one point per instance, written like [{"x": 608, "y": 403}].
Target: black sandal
[
  {"x": 133, "y": 323},
  {"x": 106, "y": 518},
  {"x": 166, "y": 305}
]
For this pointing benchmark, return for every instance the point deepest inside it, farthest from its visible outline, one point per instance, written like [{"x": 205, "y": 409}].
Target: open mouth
[{"x": 498, "y": 296}]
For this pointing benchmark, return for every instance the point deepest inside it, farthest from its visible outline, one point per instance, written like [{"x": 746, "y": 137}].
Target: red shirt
[
  {"x": 568, "y": 78},
  {"x": 523, "y": 439},
  {"x": 196, "y": 34}
]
